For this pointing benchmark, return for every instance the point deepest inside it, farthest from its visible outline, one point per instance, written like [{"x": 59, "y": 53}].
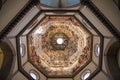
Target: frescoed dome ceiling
[
  {"x": 59, "y": 40},
  {"x": 59, "y": 45}
]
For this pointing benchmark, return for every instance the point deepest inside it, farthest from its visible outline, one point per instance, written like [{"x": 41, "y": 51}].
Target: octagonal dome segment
[{"x": 59, "y": 46}]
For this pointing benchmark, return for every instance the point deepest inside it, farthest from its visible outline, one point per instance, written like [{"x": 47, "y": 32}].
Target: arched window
[
  {"x": 112, "y": 59},
  {"x": 119, "y": 57},
  {"x": 6, "y": 60}
]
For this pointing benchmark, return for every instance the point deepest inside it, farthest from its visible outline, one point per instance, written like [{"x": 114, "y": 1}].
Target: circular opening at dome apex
[{"x": 60, "y": 41}]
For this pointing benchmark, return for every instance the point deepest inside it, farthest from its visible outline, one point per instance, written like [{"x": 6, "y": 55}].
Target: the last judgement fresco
[{"x": 59, "y": 45}]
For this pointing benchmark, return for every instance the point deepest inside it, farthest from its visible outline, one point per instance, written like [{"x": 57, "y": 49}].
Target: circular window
[
  {"x": 34, "y": 75},
  {"x": 97, "y": 49},
  {"x": 86, "y": 74},
  {"x": 22, "y": 50},
  {"x": 86, "y": 24}
]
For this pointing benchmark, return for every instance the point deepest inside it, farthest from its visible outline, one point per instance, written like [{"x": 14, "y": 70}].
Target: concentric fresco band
[{"x": 59, "y": 45}]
